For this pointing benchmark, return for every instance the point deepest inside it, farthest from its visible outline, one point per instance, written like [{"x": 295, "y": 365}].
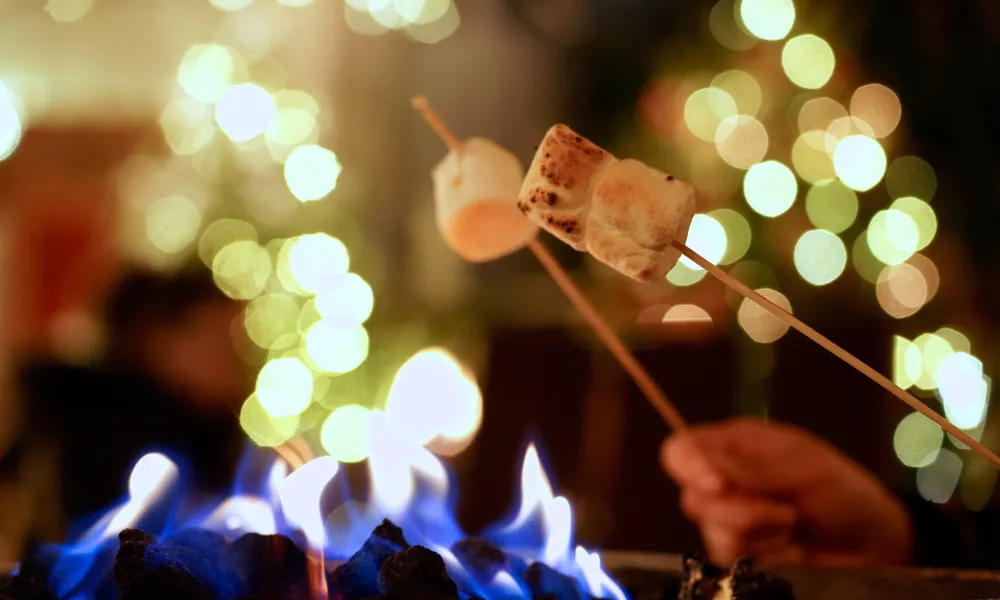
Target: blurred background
[{"x": 217, "y": 223}]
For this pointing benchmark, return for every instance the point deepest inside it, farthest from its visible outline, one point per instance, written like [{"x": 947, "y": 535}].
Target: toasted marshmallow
[
  {"x": 556, "y": 192},
  {"x": 475, "y": 196},
  {"x": 635, "y": 214}
]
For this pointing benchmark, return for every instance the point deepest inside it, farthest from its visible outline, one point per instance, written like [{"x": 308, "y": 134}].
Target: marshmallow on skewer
[
  {"x": 475, "y": 192},
  {"x": 636, "y": 211},
  {"x": 556, "y": 192}
]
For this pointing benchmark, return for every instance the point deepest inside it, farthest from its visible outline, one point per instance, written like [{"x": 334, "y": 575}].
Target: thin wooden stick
[
  {"x": 839, "y": 352},
  {"x": 653, "y": 392}
]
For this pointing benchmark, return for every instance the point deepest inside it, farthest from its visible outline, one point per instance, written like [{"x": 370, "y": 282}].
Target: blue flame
[{"x": 408, "y": 485}]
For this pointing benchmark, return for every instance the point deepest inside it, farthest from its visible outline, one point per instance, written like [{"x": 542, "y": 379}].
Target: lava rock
[
  {"x": 208, "y": 543},
  {"x": 481, "y": 558},
  {"x": 699, "y": 579},
  {"x": 416, "y": 568},
  {"x": 748, "y": 584},
  {"x": 543, "y": 580},
  {"x": 270, "y": 566},
  {"x": 141, "y": 573},
  {"x": 24, "y": 586},
  {"x": 358, "y": 577}
]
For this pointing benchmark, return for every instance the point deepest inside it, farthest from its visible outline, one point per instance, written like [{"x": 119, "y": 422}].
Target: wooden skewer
[
  {"x": 839, "y": 352},
  {"x": 653, "y": 392}
]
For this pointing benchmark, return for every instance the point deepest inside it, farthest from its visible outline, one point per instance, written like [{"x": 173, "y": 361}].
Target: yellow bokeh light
[
  {"x": 808, "y": 61},
  {"x": 11, "y": 127},
  {"x": 348, "y": 301},
  {"x": 682, "y": 275},
  {"x": 67, "y": 11},
  {"x": 436, "y": 401},
  {"x": 911, "y": 176},
  {"x": 707, "y": 237},
  {"x": 284, "y": 387},
  {"x": 963, "y": 389},
  {"x": 810, "y": 158},
  {"x": 726, "y": 29},
  {"x": 741, "y": 141},
  {"x": 917, "y": 440},
  {"x": 430, "y": 28},
  {"x": 820, "y": 256},
  {"x": 220, "y": 234},
  {"x": 929, "y": 270},
  {"x": 315, "y": 259},
  {"x": 768, "y": 19},
  {"x": 311, "y": 172},
  {"x": 308, "y": 316},
  {"x": 956, "y": 339},
  {"x": 934, "y": 349},
  {"x": 859, "y": 162},
  {"x": 901, "y": 290},
  {"x": 271, "y": 321},
  {"x": 172, "y": 223},
  {"x": 244, "y": 111},
  {"x": 832, "y": 206},
  {"x": 344, "y": 434},
  {"x": 263, "y": 429},
  {"x": 738, "y": 234},
  {"x": 893, "y": 236},
  {"x": 937, "y": 481},
  {"x": 291, "y": 126},
  {"x": 819, "y": 113},
  {"x": 230, "y": 5},
  {"x": 706, "y": 109},
  {"x": 295, "y": 3},
  {"x": 334, "y": 349},
  {"x": 923, "y": 216},
  {"x": 742, "y": 88},
  {"x": 760, "y": 325},
  {"x": 686, "y": 314},
  {"x": 753, "y": 274},
  {"x": 206, "y": 71},
  {"x": 770, "y": 188},
  {"x": 878, "y": 106},
  {"x": 241, "y": 269},
  {"x": 187, "y": 125},
  {"x": 907, "y": 362},
  {"x": 864, "y": 261}
]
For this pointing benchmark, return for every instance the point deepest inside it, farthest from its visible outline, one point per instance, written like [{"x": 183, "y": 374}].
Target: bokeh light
[
  {"x": 741, "y": 141},
  {"x": 933, "y": 350},
  {"x": 172, "y": 223},
  {"x": 820, "y": 256},
  {"x": 220, "y": 234},
  {"x": 284, "y": 387},
  {"x": 726, "y": 29},
  {"x": 271, "y": 320},
  {"x": 686, "y": 314},
  {"x": 907, "y": 362},
  {"x": 893, "y": 236},
  {"x": 344, "y": 434},
  {"x": 963, "y": 389},
  {"x": 743, "y": 88},
  {"x": 810, "y": 157},
  {"x": 768, "y": 19},
  {"x": 295, "y": 118},
  {"x": 738, "y": 234},
  {"x": 706, "y": 109},
  {"x": 808, "y": 61},
  {"x": 241, "y": 269},
  {"x": 315, "y": 259},
  {"x": 832, "y": 206},
  {"x": 901, "y": 290},
  {"x": 231, "y": 5},
  {"x": 923, "y": 217},
  {"x": 937, "y": 481},
  {"x": 206, "y": 71},
  {"x": 335, "y": 349},
  {"x": 682, "y": 275},
  {"x": 859, "y": 162},
  {"x": 429, "y": 28},
  {"x": 11, "y": 127},
  {"x": 929, "y": 271},
  {"x": 917, "y": 440},
  {"x": 865, "y": 263},
  {"x": 770, "y": 188},
  {"x": 347, "y": 300},
  {"x": 911, "y": 176},
  {"x": 878, "y": 106},
  {"x": 67, "y": 11},
  {"x": 244, "y": 111},
  {"x": 311, "y": 172},
  {"x": 819, "y": 113},
  {"x": 707, "y": 237},
  {"x": 956, "y": 339},
  {"x": 758, "y": 323},
  {"x": 188, "y": 125},
  {"x": 263, "y": 429}
]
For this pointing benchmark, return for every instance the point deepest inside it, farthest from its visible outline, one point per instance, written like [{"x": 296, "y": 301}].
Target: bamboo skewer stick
[
  {"x": 650, "y": 389},
  {"x": 839, "y": 352}
]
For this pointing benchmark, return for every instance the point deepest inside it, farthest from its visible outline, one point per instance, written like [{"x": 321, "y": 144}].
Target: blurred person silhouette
[
  {"x": 170, "y": 380},
  {"x": 784, "y": 496}
]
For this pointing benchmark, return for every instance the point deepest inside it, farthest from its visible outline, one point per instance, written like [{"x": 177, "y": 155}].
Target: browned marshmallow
[
  {"x": 556, "y": 192},
  {"x": 635, "y": 212},
  {"x": 475, "y": 195}
]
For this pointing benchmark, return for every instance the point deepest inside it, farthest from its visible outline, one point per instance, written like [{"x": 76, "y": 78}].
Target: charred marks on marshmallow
[{"x": 568, "y": 159}]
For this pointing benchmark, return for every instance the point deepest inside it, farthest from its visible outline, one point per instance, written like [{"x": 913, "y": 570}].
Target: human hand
[{"x": 783, "y": 496}]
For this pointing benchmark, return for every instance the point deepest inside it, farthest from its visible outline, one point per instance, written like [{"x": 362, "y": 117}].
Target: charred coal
[
  {"x": 545, "y": 582},
  {"x": 270, "y": 566},
  {"x": 416, "y": 568},
  {"x": 701, "y": 580},
  {"x": 748, "y": 584},
  {"x": 358, "y": 577},
  {"x": 29, "y": 584},
  {"x": 481, "y": 558},
  {"x": 141, "y": 573}
]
